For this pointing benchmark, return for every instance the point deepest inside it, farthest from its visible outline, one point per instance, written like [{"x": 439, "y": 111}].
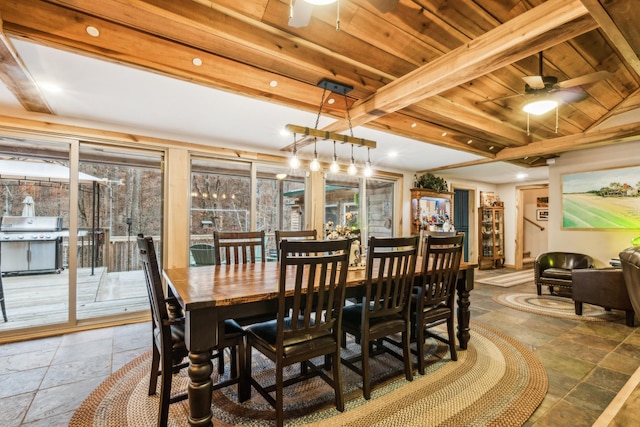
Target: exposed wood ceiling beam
[
  {"x": 15, "y": 75},
  {"x": 613, "y": 33}
]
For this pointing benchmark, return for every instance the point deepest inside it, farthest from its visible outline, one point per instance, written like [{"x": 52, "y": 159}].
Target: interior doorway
[
  {"x": 464, "y": 219},
  {"x": 532, "y": 224}
]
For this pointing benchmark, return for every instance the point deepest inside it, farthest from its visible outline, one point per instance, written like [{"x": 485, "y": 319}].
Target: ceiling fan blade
[
  {"x": 384, "y": 6},
  {"x": 300, "y": 14},
  {"x": 583, "y": 80},
  {"x": 568, "y": 96},
  {"x": 534, "y": 82},
  {"x": 501, "y": 98}
]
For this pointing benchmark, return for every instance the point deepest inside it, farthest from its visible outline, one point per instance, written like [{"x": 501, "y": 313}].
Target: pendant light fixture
[
  {"x": 352, "y": 169},
  {"x": 367, "y": 169},
  {"x": 315, "y": 164},
  {"x": 294, "y": 162},
  {"x": 335, "y": 167}
]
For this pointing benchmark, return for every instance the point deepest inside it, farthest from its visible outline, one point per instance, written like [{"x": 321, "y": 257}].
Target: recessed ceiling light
[
  {"x": 491, "y": 148},
  {"x": 281, "y": 176},
  {"x": 330, "y": 101},
  {"x": 273, "y": 83},
  {"x": 470, "y": 141},
  {"x": 197, "y": 62},
  {"x": 521, "y": 175},
  {"x": 284, "y": 132},
  {"x": 392, "y": 154},
  {"x": 414, "y": 125},
  {"x": 92, "y": 31},
  {"x": 444, "y": 134}
]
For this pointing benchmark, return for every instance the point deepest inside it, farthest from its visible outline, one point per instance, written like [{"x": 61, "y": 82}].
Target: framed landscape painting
[{"x": 607, "y": 199}]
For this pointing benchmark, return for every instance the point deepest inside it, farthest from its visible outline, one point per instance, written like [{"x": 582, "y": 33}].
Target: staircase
[{"x": 527, "y": 261}]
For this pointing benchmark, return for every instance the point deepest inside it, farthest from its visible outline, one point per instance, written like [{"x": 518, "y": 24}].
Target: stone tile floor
[{"x": 45, "y": 380}]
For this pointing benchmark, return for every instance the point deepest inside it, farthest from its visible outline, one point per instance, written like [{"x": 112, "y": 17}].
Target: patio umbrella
[{"x": 29, "y": 208}]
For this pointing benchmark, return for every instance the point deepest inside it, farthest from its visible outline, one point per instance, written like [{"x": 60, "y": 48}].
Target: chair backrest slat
[
  {"x": 441, "y": 263},
  {"x": 239, "y": 247},
  {"x": 159, "y": 312},
  {"x": 293, "y": 235},
  {"x": 391, "y": 264},
  {"x": 316, "y": 272}
]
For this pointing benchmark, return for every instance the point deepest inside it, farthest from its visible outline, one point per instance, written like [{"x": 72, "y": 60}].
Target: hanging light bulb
[
  {"x": 367, "y": 169},
  {"x": 315, "y": 164},
  {"x": 294, "y": 162},
  {"x": 335, "y": 167},
  {"x": 352, "y": 170}
]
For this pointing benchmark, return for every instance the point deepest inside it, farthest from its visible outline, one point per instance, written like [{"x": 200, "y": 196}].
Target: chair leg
[
  {"x": 279, "y": 396},
  {"x": 366, "y": 383},
  {"x": 165, "y": 392},
  {"x": 244, "y": 384},
  {"x": 539, "y": 289},
  {"x": 630, "y": 317},
  {"x": 578, "y": 307},
  {"x": 221, "y": 362},
  {"x": 406, "y": 354},
  {"x": 337, "y": 381},
  {"x": 420, "y": 347},
  {"x": 452, "y": 339},
  {"x": 153, "y": 377}
]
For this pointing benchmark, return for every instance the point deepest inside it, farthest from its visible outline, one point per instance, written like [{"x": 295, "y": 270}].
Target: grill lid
[{"x": 31, "y": 223}]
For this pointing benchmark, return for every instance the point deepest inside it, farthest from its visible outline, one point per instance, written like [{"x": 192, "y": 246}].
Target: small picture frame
[{"x": 542, "y": 214}]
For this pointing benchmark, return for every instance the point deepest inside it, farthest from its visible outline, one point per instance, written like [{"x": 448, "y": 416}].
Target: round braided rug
[
  {"x": 555, "y": 306},
  {"x": 495, "y": 382}
]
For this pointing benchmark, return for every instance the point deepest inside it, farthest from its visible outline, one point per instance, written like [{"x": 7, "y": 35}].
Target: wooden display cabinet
[
  {"x": 431, "y": 210},
  {"x": 491, "y": 237}
]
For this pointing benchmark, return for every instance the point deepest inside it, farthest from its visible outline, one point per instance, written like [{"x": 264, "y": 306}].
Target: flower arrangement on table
[{"x": 334, "y": 232}]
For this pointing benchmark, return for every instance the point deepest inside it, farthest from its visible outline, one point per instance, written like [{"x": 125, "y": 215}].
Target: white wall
[{"x": 602, "y": 245}]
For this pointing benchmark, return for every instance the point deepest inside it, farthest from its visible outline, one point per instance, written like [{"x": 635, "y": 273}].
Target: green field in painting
[{"x": 584, "y": 210}]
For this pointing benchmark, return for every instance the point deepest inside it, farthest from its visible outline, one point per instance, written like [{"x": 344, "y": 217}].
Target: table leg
[
  {"x": 200, "y": 388},
  {"x": 463, "y": 287},
  {"x": 200, "y": 339}
]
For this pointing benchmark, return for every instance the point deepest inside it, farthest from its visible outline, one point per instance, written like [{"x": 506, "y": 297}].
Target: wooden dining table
[{"x": 210, "y": 294}]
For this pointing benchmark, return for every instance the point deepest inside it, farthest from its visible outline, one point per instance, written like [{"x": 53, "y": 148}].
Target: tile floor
[{"x": 44, "y": 381}]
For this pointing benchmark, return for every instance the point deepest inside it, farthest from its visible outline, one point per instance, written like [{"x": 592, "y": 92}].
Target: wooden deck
[{"x": 40, "y": 299}]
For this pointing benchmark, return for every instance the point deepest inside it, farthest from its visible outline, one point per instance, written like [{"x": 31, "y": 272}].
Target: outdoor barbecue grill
[{"x": 31, "y": 244}]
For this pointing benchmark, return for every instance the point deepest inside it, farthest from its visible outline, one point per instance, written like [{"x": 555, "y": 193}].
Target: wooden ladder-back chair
[
  {"x": 384, "y": 309},
  {"x": 433, "y": 300},
  {"x": 169, "y": 349},
  {"x": 239, "y": 247},
  {"x": 304, "y": 329},
  {"x": 294, "y": 235}
]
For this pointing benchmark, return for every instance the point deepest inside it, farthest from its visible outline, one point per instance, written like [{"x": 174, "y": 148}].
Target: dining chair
[
  {"x": 384, "y": 309},
  {"x": 239, "y": 247},
  {"x": 169, "y": 348},
  {"x": 304, "y": 329},
  {"x": 294, "y": 235},
  {"x": 433, "y": 297}
]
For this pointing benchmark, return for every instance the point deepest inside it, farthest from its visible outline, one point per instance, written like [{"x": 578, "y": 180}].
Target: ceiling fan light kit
[
  {"x": 540, "y": 106},
  {"x": 320, "y": 2}
]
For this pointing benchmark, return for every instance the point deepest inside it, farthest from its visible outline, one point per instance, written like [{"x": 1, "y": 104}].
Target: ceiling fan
[
  {"x": 300, "y": 11},
  {"x": 549, "y": 87}
]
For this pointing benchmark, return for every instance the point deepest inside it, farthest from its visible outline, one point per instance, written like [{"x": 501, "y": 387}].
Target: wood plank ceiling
[{"x": 443, "y": 72}]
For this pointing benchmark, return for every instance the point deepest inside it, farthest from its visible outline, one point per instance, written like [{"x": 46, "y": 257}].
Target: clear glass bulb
[
  {"x": 314, "y": 165},
  {"x": 294, "y": 162},
  {"x": 367, "y": 170},
  {"x": 352, "y": 170},
  {"x": 335, "y": 167}
]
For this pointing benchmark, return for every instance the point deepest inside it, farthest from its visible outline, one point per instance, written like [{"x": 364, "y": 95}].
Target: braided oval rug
[{"x": 495, "y": 382}]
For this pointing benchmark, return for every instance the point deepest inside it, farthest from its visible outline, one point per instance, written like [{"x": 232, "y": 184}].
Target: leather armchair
[
  {"x": 604, "y": 287},
  {"x": 554, "y": 269},
  {"x": 630, "y": 260}
]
